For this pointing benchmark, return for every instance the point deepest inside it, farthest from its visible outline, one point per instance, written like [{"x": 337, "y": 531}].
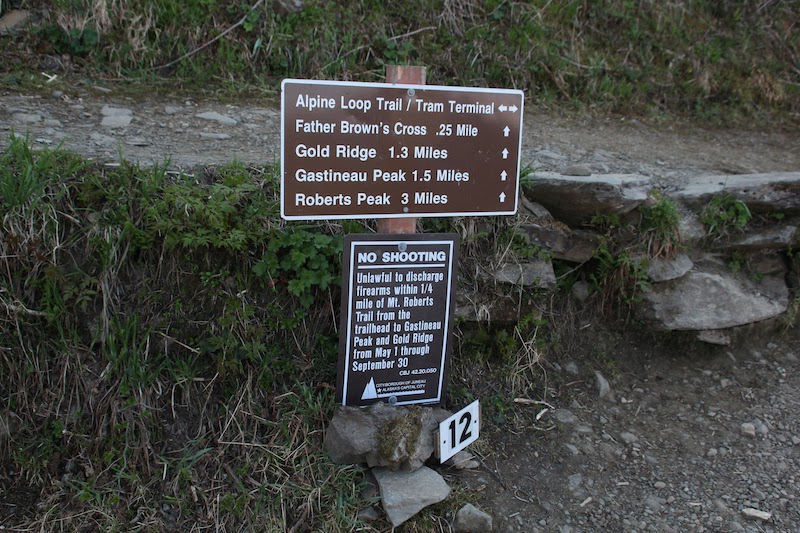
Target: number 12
[{"x": 465, "y": 420}]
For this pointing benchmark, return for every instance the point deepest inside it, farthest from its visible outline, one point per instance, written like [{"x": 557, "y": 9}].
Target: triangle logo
[{"x": 370, "y": 393}]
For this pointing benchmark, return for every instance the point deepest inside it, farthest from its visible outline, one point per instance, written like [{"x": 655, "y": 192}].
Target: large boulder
[
  {"x": 574, "y": 200},
  {"x": 395, "y": 437},
  {"x": 775, "y": 192},
  {"x": 712, "y": 298}
]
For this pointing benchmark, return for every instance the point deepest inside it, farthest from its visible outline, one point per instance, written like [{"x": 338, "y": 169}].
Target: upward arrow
[
  {"x": 502, "y": 197},
  {"x": 506, "y": 131},
  {"x": 503, "y": 175},
  {"x": 505, "y": 153}
]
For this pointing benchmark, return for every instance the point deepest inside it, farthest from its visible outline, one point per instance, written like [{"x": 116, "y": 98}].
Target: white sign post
[{"x": 459, "y": 431}]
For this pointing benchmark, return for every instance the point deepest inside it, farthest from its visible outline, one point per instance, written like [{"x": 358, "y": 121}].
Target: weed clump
[{"x": 725, "y": 215}]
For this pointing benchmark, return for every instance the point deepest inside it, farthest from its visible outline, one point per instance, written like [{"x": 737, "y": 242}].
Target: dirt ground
[
  {"x": 697, "y": 438},
  {"x": 668, "y": 452}
]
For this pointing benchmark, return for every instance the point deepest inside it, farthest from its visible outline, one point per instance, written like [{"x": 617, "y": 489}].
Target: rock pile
[
  {"x": 709, "y": 283},
  {"x": 396, "y": 442}
]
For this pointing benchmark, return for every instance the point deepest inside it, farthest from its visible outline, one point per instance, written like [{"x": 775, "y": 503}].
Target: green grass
[
  {"x": 707, "y": 59},
  {"x": 169, "y": 349},
  {"x": 152, "y": 378}
]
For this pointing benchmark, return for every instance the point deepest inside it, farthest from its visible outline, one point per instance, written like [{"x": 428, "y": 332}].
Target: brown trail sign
[{"x": 370, "y": 150}]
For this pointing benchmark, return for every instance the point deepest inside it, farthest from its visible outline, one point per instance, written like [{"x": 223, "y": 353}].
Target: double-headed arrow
[{"x": 504, "y": 108}]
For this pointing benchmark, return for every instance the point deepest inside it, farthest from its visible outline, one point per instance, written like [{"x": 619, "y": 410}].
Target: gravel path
[
  {"x": 97, "y": 124},
  {"x": 707, "y": 439}
]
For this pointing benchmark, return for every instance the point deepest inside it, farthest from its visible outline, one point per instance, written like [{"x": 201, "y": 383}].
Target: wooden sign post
[{"x": 414, "y": 76}]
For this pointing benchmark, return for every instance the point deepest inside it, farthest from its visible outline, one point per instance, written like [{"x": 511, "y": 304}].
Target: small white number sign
[{"x": 459, "y": 430}]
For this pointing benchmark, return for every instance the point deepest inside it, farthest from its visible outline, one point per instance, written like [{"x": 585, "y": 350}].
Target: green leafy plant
[
  {"x": 304, "y": 260},
  {"x": 724, "y": 215}
]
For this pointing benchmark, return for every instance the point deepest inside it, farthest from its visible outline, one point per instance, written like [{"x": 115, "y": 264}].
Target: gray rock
[
  {"x": 663, "y": 269},
  {"x": 576, "y": 246},
  {"x": 756, "y": 514},
  {"x": 381, "y": 435},
  {"x": 172, "y": 109},
  {"x": 404, "y": 494},
  {"x": 575, "y": 200},
  {"x": 102, "y": 140},
  {"x": 603, "y": 387},
  {"x": 763, "y": 193},
  {"x": 116, "y": 121},
  {"x": 628, "y": 437},
  {"x": 770, "y": 238},
  {"x": 767, "y": 263},
  {"x": 581, "y": 290},
  {"x": 550, "y": 154},
  {"x": 714, "y": 299},
  {"x": 577, "y": 170},
  {"x": 736, "y": 527},
  {"x": 565, "y": 416},
  {"x": 748, "y": 430},
  {"x": 690, "y": 228},
  {"x": 654, "y": 503},
  {"x": 720, "y": 338},
  {"x": 218, "y": 117},
  {"x": 470, "y": 519},
  {"x": 368, "y": 514},
  {"x": 13, "y": 21},
  {"x": 534, "y": 273},
  {"x": 26, "y": 118},
  {"x": 535, "y": 209},
  {"x": 571, "y": 366},
  {"x": 111, "y": 111},
  {"x": 574, "y": 482},
  {"x": 462, "y": 461},
  {"x": 573, "y": 449},
  {"x": 215, "y": 136},
  {"x": 288, "y": 6}
]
